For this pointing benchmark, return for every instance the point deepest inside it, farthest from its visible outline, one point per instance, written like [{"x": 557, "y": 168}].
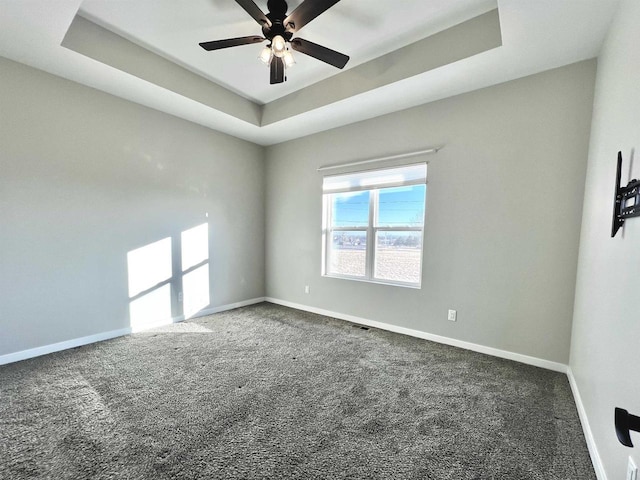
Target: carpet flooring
[{"x": 267, "y": 392}]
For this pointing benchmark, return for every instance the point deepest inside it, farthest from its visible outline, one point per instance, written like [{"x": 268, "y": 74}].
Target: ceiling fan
[{"x": 278, "y": 28}]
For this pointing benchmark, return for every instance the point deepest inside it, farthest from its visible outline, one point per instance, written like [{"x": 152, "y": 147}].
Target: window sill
[{"x": 389, "y": 283}]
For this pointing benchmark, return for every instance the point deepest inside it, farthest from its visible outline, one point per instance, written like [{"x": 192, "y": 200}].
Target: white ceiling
[{"x": 537, "y": 35}]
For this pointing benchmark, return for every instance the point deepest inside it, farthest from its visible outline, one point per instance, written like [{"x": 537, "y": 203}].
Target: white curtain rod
[{"x": 373, "y": 160}]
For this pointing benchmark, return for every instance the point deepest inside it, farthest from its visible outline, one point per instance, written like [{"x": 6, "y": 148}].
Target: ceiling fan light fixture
[
  {"x": 279, "y": 46},
  {"x": 265, "y": 56}
]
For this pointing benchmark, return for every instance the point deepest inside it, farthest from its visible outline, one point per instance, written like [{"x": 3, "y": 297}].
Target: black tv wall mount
[
  {"x": 626, "y": 203},
  {"x": 625, "y": 423}
]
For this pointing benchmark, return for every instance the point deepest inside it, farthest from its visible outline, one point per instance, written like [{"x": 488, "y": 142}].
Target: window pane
[
  {"x": 348, "y": 253},
  {"x": 397, "y": 256},
  {"x": 350, "y": 209},
  {"x": 401, "y": 206}
]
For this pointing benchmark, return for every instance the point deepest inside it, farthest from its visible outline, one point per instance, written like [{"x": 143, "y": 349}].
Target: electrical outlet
[
  {"x": 307, "y": 289},
  {"x": 453, "y": 315},
  {"x": 180, "y": 297},
  {"x": 632, "y": 470}
]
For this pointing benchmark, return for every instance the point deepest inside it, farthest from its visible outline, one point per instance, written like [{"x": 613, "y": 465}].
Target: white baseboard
[
  {"x": 586, "y": 428},
  {"x": 56, "y": 347},
  {"x": 99, "y": 337},
  {"x": 518, "y": 357},
  {"x": 231, "y": 306}
]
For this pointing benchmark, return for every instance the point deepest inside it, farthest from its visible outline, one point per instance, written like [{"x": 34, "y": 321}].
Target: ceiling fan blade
[
  {"x": 252, "y": 9},
  {"x": 277, "y": 70},
  {"x": 307, "y": 11},
  {"x": 324, "y": 54},
  {"x": 230, "y": 42}
]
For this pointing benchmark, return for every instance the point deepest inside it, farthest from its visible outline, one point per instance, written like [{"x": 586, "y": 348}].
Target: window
[{"x": 373, "y": 225}]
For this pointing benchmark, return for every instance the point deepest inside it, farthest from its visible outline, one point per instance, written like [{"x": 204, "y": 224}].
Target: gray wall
[
  {"x": 605, "y": 348},
  {"x": 503, "y": 213},
  {"x": 85, "y": 178}
]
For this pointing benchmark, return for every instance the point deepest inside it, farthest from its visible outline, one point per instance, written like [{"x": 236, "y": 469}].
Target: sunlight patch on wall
[
  {"x": 150, "y": 272},
  {"x": 195, "y": 246},
  {"x": 195, "y": 286},
  {"x": 149, "y": 266},
  {"x": 160, "y": 289},
  {"x": 195, "y": 269},
  {"x": 151, "y": 310}
]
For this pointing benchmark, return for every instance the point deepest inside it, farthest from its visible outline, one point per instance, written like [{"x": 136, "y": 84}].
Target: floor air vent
[{"x": 361, "y": 327}]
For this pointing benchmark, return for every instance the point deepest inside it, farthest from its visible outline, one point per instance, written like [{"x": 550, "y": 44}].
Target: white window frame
[{"x": 371, "y": 230}]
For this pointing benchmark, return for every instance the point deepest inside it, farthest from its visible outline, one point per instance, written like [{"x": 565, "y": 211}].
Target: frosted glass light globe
[
  {"x": 278, "y": 45},
  {"x": 265, "y": 55},
  {"x": 289, "y": 61}
]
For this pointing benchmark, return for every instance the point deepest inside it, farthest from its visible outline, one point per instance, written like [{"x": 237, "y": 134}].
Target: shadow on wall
[{"x": 163, "y": 286}]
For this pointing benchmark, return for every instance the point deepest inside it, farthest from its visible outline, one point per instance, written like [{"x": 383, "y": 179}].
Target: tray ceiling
[
  {"x": 362, "y": 29},
  {"x": 377, "y": 34}
]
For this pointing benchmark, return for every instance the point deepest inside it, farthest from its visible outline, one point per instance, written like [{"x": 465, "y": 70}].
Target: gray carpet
[{"x": 269, "y": 392}]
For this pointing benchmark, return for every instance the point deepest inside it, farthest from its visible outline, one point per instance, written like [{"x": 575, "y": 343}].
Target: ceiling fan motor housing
[{"x": 277, "y": 14}]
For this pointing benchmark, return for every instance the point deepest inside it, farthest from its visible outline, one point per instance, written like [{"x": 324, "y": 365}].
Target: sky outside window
[
  {"x": 398, "y": 207},
  {"x": 351, "y": 209}
]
